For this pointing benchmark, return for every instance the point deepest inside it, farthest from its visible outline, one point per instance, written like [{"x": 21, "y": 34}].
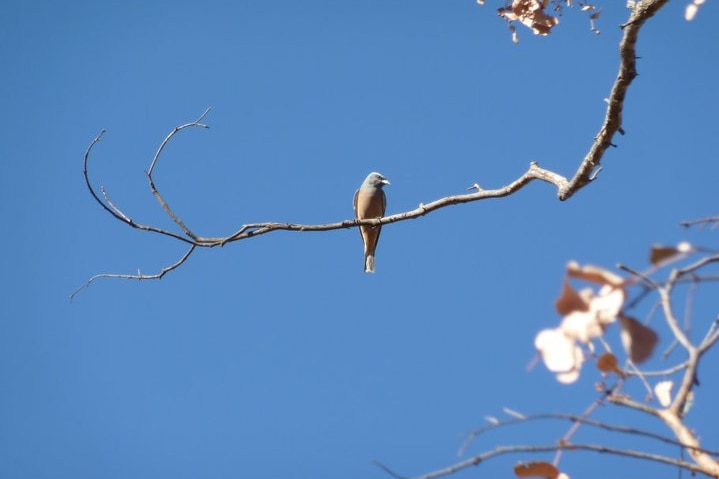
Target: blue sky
[{"x": 278, "y": 357}]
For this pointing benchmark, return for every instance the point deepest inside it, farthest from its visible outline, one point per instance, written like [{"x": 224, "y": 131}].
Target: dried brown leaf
[
  {"x": 536, "y": 469},
  {"x": 661, "y": 253},
  {"x": 607, "y": 363},
  {"x": 570, "y": 300},
  {"x": 638, "y": 340}
]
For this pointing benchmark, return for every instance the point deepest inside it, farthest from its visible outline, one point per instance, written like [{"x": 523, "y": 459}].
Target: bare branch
[
  {"x": 586, "y": 172},
  {"x": 615, "y": 103},
  {"x": 632, "y": 404},
  {"x": 533, "y": 173},
  {"x": 138, "y": 276},
  {"x": 111, "y": 208},
  {"x": 573, "y": 418},
  {"x": 711, "y": 337},
  {"x": 697, "y": 265},
  {"x": 709, "y": 220},
  {"x": 155, "y": 192},
  {"x": 504, "y": 450},
  {"x": 706, "y": 463}
]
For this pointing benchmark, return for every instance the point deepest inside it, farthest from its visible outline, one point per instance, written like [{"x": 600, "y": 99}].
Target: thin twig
[
  {"x": 576, "y": 420},
  {"x": 701, "y": 221},
  {"x": 138, "y": 276},
  {"x": 150, "y": 180},
  {"x": 504, "y": 450}
]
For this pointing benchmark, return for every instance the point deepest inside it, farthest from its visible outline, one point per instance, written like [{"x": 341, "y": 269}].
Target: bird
[{"x": 370, "y": 202}]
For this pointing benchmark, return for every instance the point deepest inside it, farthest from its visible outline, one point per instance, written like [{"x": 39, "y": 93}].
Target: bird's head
[{"x": 377, "y": 180}]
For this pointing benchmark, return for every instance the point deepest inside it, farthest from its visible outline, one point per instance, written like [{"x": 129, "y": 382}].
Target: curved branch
[
  {"x": 642, "y": 12},
  {"x": 586, "y": 172},
  {"x": 110, "y": 207},
  {"x": 504, "y": 450},
  {"x": 708, "y": 465},
  {"x": 579, "y": 420},
  {"x": 138, "y": 276},
  {"x": 533, "y": 173},
  {"x": 154, "y": 190}
]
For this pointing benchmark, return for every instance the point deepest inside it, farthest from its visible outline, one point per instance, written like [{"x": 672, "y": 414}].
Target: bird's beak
[{"x": 385, "y": 181}]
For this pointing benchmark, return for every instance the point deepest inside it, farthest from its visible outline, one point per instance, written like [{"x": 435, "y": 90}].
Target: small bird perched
[{"x": 370, "y": 202}]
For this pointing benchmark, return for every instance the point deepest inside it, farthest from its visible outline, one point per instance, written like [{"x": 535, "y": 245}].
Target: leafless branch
[
  {"x": 575, "y": 419},
  {"x": 138, "y": 276},
  {"x": 536, "y": 449},
  {"x": 585, "y": 173},
  {"x": 155, "y": 192},
  {"x": 709, "y": 220},
  {"x": 642, "y": 12}
]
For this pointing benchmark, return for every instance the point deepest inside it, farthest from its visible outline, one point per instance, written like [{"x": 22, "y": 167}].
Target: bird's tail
[{"x": 369, "y": 263}]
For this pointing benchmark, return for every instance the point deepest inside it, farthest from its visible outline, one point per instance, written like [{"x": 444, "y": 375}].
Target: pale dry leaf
[
  {"x": 593, "y": 274},
  {"x": 638, "y": 340},
  {"x": 685, "y": 246},
  {"x": 531, "y": 14},
  {"x": 663, "y": 392},
  {"x": 568, "y": 378},
  {"x": 513, "y": 413},
  {"x": 492, "y": 420},
  {"x": 607, "y": 303},
  {"x": 557, "y": 350},
  {"x": 582, "y": 326}
]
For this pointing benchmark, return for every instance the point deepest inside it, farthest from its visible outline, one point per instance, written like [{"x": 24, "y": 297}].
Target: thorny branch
[{"x": 642, "y": 12}]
